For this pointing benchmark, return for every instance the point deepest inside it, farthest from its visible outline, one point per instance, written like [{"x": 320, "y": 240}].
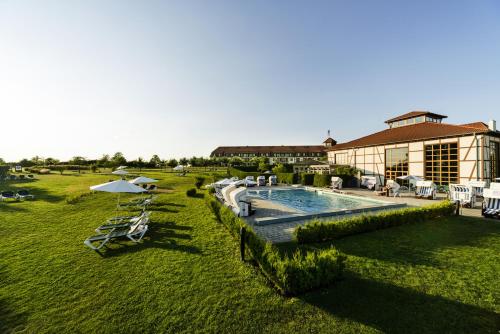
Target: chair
[
  {"x": 425, "y": 189},
  {"x": 4, "y": 195},
  {"x": 394, "y": 187},
  {"x": 462, "y": 194},
  {"x": 273, "y": 180},
  {"x": 491, "y": 203},
  {"x": 122, "y": 222},
  {"x": 151, "y": 187},
  {"x": 369, "y": 182},
  {"x": 336, "y": 182},
  {"x": 134, "y": 233},
  {"x": 477, "y": 187},
  {"x": 24, "y": 194}
]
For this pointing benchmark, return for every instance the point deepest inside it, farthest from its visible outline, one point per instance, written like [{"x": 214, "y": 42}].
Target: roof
[
  {"x": 419, "y": 131},
  {"x": 268, "y": 149},
  {"x": 412, "y": 114},
  {"x": 330, "y": 140}
]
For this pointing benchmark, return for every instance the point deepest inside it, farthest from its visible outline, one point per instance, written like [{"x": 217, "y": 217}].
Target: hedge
[
  {"x": 322, "y": 180},
  {"x": 290, "y": 275},
  {"x": 241, "y": 174},
  {"x": 287, "y": 178},
  {"x": 319, "y": 231},
  {"x": 307, "y": 179}
]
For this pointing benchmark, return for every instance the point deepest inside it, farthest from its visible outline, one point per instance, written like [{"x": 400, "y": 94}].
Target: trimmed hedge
[
  {"x": 242, "y": 174},
  {"x": 319, "y": 231},
  {"x": 290, "y": 275},
  {"x": 287, "y": 178},
  {"x": 307, "y": 179},
  {"x": 322, "y": 180}
]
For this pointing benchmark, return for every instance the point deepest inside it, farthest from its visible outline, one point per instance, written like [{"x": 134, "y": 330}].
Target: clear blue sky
[{"x": 178, "y": 78}]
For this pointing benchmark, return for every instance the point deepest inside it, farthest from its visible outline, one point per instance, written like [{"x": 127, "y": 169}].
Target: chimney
[{"x": 492, "y": 125}]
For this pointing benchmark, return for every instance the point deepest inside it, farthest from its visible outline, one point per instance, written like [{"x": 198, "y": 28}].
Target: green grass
[{"x": 186, "y": 276}]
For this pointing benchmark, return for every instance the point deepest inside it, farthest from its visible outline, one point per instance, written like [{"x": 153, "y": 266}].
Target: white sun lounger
[
  {"x": 491, "y": 203},
  {"x": 426, "y": 189},
  {"x": 394, "y": 187},
  {"x": 463, "y": 194},
  {"x": 336, "y": 182}
]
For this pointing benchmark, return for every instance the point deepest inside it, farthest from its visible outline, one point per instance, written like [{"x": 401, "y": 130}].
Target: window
[
  {"x": 341, "y": 159},
  {"x": 419, "y": 119},
  {"x": 441, "y": 163},
  {"x": 396, "y": 163},
  {"x": 495, "y": 160}
]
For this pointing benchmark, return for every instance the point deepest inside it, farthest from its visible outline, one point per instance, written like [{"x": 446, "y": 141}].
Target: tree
[
  {"x": 279, "y": 169},
  {"x": 140, "y": 163},
  {"x": 235, "y": 161},
  {"x": 36, "y": 160},
  {"x": 118, "y": 159},
  {"x": 26, "y": 163},
  {"x": 2, "y": 161},
  {"x": 59, "y": 168},
  {"x": 172, "y": 163},
  {"x": 155, "y": 161},
  {"x": 104, "y": 161},
  {"x": 77, "y": 161},
  {"x": 51, "y": 161},
  {"x": 183, "y": 161}
]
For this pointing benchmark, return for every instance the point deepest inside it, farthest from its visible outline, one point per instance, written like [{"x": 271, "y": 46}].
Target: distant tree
[
  {"x": 172, "y": 163},
  {"x": 36, "y": 160},
  {"x": 26, "y": 163},
  {"x": 183, "y": 161},
  {"x": 104, "y": 161},
  {"x": 118, "y": 159},
  {"x": 140, "y": 163},
  {"x": 235, "y": 161},
  {"x": 263, "y": 166},
  {"x": 279, "y": 168},
  {"x": 155, "y": 161},
  {"x": 93, "y": 168},
  {"x": 78, "y": 161},
  {"x": 51, "y": 161},
  {"x": 2, "y": 161},
  {"x": 59, "y": 168}
]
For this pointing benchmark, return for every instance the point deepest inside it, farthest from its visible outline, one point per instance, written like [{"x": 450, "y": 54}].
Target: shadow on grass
[
  {"x": 172, "y": 225},
  {"x": 162, "y": 209},
  {"x": 162, "y": 237},
  {"x": 40, "y": 193},
  {"x": 12, "y": 206},
  {"x": 11, "y": 321},
  {"x": 393, "y": 309},
  {"x": 172, "y": 204}
]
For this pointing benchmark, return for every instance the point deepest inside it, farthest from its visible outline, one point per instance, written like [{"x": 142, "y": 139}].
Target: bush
[
  {"x": 211, "y": 190},
  {"x": 240, "y": 173},
  {"x": 4, "y": 171},
  {"x": 318, "y": 231},
  {"x": 322, "y": 180},
  {"x": 287, "y": 178},
  {"x": 191, "y": 192},
  {"x": 199, "y": 180},
  {"x": 290, "y": 275},
  {"x": 307, "y": 179}
]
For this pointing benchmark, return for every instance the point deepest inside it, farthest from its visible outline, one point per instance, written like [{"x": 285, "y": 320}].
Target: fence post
[{"x": 242, "y": 242}]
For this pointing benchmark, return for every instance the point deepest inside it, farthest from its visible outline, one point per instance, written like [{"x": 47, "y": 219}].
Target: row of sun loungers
[{"x": 20, "y": 195}]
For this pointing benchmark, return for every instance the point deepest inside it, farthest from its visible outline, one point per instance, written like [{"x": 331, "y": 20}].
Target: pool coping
[{"x": 378, "y": 206}]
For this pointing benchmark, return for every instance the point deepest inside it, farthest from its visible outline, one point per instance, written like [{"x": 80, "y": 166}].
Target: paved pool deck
[{"x": 283, "y": 231}]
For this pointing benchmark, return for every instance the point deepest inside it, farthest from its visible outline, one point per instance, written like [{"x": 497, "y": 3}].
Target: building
[
  {"x": 275, "y": 154},
  {"x": 419, "y": 143},
  {"x": 312, "y": 166}
]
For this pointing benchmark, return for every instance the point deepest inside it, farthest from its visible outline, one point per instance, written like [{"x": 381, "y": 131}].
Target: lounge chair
[
  {"x": 369, "y": 182},
  {"x": 273, "y": 180},
  {"x": 4, "y": 195},
  {"x": 24, "y": 194},
  {"x": 394, "y": 187},
  {"x": 122, "y": 222},
  {"x": 151, "y": 187},
  {"x": 336, "y": 182},
  {"x": 261, "y": 180},
  {"x": 491, "y": 203},
  {"x": 477, "y": 187},
  {"x": 462, "y": 194},
  {"x": 425, "y": 189},
  {"x": 135, "y": 233}
]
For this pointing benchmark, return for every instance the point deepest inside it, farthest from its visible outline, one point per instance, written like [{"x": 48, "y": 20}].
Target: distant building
[
  {"x": 275, "y": 154},
  {"x": 312, "y": 166},
  {"x": 419, "y": 143}
]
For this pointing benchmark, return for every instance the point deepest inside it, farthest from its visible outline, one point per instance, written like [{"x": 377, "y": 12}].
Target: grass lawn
[{"x": 186, "y": 276}]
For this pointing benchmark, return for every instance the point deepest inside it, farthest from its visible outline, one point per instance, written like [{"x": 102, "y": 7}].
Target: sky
[{"x": 179, "y": 78}]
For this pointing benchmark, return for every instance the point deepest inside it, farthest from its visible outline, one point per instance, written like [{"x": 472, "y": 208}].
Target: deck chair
[
  {"x": 462, "y": 194},
  {"x": 24, "y": 194},
  {"x": 134, "y": 233},
  {"x": 394, "y": 187},
  {"x": 477, "y": 187},
  {"x": 425, "y": 189},
  {"x": 369, "y": 182},
  {"x": 4, "y": 195},
  {"x": 122, "y": 222},
  {"x": 336, "y": 182},
  {"x": 491, "y": 203}
]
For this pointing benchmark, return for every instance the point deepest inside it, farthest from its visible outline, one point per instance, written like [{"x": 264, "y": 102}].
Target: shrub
[
  {"x": 211, "y": 190},
  {"x": 307, "y": 179},
  {"x": 199, "y": 180},
  {"x": 4, "y": 171},
  {"x": 290, "y": 275},
  {"x": 287, "y": 178},
  {"x": 322, "y": 180},
  {"x": 318, "y": 231},
  {"x": 240, "y": 173},
  {"x": 191, "y": 192}
]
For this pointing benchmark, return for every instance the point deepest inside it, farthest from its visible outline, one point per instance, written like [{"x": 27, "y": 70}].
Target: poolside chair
[
  {"x": 462, "y": 194},
  {"x": 491, "y": 203},
  {"x": 273, "y": 180},
  {"x": 5, "y": 195},
  {"x": 336, "y": 182},
  {"x": 261, "y": 180},
  {"x": 134, "y": 233},
  {"x": 369, "y": 182},
  {"x": 24, "y": 194},
  {"x": 394, "y": 187},
  {"x": 425, "y": 189},
  {"x": 122, "y": 222},
  {"x": 477, "y": 187}
]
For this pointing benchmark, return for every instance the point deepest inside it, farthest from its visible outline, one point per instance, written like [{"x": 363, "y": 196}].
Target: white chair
[
  {"x": 394, "y": 187},
  {"x": 273, "y": 180},
  {"x": 425, "y": 189},
  {"x": 491, "y": 203},
  {"x": 462, "y": 194},
  {"x": 369, "y": 182},
  {"x": 336, "y": 182},
  {"x": 477, "y": 187}
]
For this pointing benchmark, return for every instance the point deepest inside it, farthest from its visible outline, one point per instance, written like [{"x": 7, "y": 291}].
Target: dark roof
[
  {"x": 412, "y": 114},
  {"x": 330, "y": 140},
  {"x": 419, "y": 131},
  {"x": 268, "y": 149}
]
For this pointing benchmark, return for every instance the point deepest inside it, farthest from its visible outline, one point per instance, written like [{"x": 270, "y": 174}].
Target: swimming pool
[{"x": 308, "y": 202}]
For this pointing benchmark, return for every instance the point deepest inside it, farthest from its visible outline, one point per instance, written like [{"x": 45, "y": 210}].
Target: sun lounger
[
  {"x": 123, "y": 222},
  {"x": 425, "y": 189},
  {"x": 134, "y": 233},
  {"x": 5, "y": 195},
  {"x": 24, "y": 194},
  {"x": 394, "y": 187},
  {"x": 261, "y": 180},
  {"x": 462, "y": 194},
  {"x": 369, "y": 182},
  {"x": 273, "y": 180},
  {"x": 336, "y": 182},
  {"x": 491, "y": 203},
  {"x": 477, "y": 187}
]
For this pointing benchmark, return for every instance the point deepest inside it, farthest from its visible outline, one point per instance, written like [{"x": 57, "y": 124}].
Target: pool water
[{"x": 311, "y": 201}]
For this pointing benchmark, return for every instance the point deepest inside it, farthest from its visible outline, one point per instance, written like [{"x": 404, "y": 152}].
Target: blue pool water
[{"x": 311, "y": 201}]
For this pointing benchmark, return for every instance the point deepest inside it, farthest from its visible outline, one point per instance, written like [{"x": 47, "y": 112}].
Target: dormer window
[{"x": 415, "y": 117}]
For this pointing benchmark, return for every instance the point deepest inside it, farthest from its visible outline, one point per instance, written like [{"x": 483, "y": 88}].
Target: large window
[
  {"x": 441, "y": 163},
  {"x": 396, "y": 163},
  {"x": 341, "y": 159},
  {"x": 495, "y": 160}
]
